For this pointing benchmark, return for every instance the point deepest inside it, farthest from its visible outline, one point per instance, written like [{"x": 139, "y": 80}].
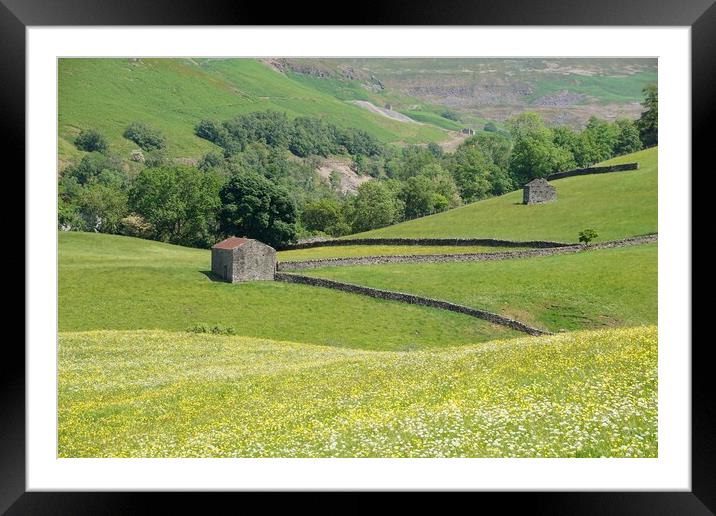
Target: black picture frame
[{"x": 17, "y": 15}]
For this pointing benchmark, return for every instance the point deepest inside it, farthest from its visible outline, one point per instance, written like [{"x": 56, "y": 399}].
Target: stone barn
[
  {"x": 243, "y": 259},
  {"x": 538, "y": 191}
]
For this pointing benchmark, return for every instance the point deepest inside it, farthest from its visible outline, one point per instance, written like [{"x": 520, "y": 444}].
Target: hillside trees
[
  {"x": 302, "y": 136},
  {"x": 267, "y": 166}
]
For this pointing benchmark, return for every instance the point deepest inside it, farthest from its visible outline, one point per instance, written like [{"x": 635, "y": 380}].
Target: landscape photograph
[{"x": 357, "y": 257}]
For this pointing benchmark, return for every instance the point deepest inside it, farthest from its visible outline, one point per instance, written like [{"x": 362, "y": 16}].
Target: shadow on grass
[{"x": 212, "y": 276}]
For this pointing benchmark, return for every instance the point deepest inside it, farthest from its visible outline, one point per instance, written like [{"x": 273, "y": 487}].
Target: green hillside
[
  {"x": 162, "y": 394},
  {"x": 172, "y": 95},
  {"x": 122, "y": 283},
  {"x": 617, "y": 205},
  {"x": 591, "y": 289}
]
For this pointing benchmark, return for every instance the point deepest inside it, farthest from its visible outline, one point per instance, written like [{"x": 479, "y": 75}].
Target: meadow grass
[
  {"x": 617, "y": 205},
  {"x": 108, "y": 94},
  {"x": 590, "y": 289},
  {"x": 164, "y": 394},
  {"x": 122, "y": 283},
  {"x": 353, "y": 251}
]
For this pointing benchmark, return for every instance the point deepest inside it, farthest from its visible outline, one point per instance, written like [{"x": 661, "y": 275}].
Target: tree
[
  {"x": 179, "y": 202},
  {"x": 601, "y": 138},
  {"x": 255, "y": 207},
  {"x": 628, "y": 139},
  {"x": 376, "y": 205},
  {"x": 419, "y": 196},
  {"x": 537, "y": 157},
  {"x": 534, "y": 153},
  {"x": 323, "y": 215},
  {"x": 91, "y": 141},
  {"x": 494, "y": 146},
  {"x": 649, "y": 121},
  {"x": 471, "y": 170},
  {"x": 435, "y": 149},
  {"x": 102, "y": 207},
  {"x": 587, "y": 235}
]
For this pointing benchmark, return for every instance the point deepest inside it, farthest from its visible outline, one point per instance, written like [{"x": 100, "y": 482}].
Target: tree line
[{"x": 262, "y": 183}]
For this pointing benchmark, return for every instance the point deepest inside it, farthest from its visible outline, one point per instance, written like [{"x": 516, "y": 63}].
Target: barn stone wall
[
  {"x": 254, "y": 261},
  {"x": 538, "y": 192},
  {"x": 221, "y": 263}
]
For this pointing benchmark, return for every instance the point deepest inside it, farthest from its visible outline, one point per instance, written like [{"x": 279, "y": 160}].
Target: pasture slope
[
  {"x": 617, "y": 205},
  {"x": 162, "y": 394},
  {"x": 587, "y": 290},
  {"x": 109, "y": 282},
  {"x": 108, "y": 94}
]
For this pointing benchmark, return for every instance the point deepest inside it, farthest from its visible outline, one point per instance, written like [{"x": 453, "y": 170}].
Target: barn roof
[
  {"x": 538, "y": 181},
  {"x": 231, "y": 243}
]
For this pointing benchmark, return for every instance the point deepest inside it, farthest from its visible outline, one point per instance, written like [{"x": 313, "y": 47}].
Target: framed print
[{"x": 439, "y": 250}]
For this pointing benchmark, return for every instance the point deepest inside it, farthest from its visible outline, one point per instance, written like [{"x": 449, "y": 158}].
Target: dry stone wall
[
  {"x": 411, "y": 299},
  {"x": 461, "y": 257},
  {"x": 593, "y": 170},
  {"x": 493, "y": 242}
]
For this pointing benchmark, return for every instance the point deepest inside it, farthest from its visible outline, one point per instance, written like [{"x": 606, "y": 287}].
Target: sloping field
[
  {"x": 108, "y": 94},
  {"x": 163, "y": 394},
  {"x": 121, "y": 283},
  {"x": 617, "y": 205},
  {"x": 590, "y": 289}
]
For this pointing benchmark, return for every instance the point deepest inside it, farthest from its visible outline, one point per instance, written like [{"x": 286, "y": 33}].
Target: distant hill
[
  {"x": 563, "y": 91},
  {"x": 172, "y": 95},
  {"x": 617, "y": 205}
]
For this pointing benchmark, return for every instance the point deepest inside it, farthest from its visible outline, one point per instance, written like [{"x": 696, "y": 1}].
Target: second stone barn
[
  {"x": 538, "y": 191},
  {"x": 243, "y": 259}
]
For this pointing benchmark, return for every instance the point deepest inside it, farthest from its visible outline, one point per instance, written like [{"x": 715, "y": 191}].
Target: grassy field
[
  {"x": 617, "y": 205},
  {"x": 163, "y": 394},
  {"x": 108, "y": 94},
  {"x": 591, "y": 289},
  {"x": 122, "y": 283},
  {"x": 353, "y": 251}
]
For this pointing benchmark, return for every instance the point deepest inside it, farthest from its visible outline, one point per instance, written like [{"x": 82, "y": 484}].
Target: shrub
[
  {"x": 215, "y": 329},
  {"x": 587, "y": 235},
  {"x": 135, "y": 225},
  {"x": 91, "y": 141},
  {"x": 147, "y": 138},
  {"x": 450, "y": 115}
]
